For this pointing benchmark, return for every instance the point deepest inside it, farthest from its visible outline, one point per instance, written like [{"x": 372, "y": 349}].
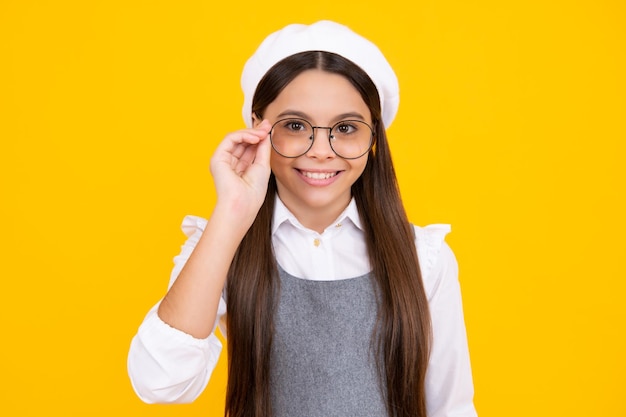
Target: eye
[
  {"x": 345, "y": 128},
  {"x": 295, "y": 125}
]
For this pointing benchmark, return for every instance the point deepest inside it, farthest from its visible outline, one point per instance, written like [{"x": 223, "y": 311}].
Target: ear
[{"x": 256, "y": 119}]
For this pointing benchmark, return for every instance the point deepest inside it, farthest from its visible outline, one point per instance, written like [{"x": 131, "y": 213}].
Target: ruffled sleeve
[
  {"x": 429, "y": 241},
  {"x": 166, "y": 365},
  {"x": 192, "y": 227},
  {"x": 449, "y": 385}
]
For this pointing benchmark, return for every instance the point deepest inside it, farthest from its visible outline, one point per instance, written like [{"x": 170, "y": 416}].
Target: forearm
[{"x": 192, "y": 301}]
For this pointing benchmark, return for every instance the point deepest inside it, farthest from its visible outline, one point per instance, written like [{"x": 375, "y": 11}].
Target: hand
[{"x": 241, "y": 168}]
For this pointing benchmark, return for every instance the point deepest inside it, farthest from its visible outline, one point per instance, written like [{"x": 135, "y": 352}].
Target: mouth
[{"x": 316, "y": 175}]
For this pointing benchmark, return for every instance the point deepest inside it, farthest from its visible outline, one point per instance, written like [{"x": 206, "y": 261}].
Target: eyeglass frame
[{"x": 330, "y": 137}]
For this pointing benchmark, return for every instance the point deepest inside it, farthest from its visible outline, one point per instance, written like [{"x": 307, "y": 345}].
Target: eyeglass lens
[{"x": 349, "y": 139}]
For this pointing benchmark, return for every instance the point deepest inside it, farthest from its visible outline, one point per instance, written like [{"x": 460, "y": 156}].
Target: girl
[{"x": 329, "y": 311}]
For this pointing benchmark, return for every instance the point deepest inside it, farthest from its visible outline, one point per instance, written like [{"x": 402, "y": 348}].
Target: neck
[{"x": 316, "y": 218}]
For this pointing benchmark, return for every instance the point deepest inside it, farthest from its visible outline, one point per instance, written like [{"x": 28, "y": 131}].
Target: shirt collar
[{"x": 282, "y": 215}]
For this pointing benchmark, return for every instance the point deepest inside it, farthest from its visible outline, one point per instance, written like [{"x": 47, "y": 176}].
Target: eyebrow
[{"x": 339, "y": 117}]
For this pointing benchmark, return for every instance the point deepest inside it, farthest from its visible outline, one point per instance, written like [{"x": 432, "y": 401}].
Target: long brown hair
[{"x": 403, "y": 332}]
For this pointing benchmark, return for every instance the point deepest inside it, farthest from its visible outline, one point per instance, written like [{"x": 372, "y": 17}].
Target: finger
[
  {"x": 240, "y": 149},
  {"x": 263, "y": 152},
  {"x": 233, "y": 147},
  {"x": 241, "y": 144},
  {"x": 250, "y": 136},
  {"x": 246, "y": 159},
  {"x": 265, "y": 126}
]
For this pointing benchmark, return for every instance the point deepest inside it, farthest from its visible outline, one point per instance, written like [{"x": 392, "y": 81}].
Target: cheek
[
  {"x": 360, "y": 167},
  {"x": 278, "y": 163}
]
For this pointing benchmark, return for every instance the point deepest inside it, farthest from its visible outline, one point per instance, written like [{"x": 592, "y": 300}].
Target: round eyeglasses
[{"x": 349, "y": 139}]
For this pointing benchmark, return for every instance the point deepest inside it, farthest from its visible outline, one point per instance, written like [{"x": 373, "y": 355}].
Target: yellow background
[{"x": 511, "y": 128}]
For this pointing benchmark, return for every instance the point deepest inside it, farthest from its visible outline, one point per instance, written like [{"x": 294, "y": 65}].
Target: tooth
[{"x": 319, "y": 175}]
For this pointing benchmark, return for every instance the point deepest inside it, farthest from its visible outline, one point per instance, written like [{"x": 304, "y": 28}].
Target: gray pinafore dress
[{"x": 323, "y": 359}]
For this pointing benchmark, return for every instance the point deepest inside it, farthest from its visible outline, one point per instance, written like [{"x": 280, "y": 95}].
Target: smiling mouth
[{"x": 318, "y": 175}]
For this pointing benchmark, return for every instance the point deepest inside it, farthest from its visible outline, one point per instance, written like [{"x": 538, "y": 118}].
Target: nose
[{"x": 321, "y": 144}]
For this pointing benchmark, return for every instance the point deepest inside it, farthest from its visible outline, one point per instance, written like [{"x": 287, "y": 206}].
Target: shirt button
[
  {"x": 338, "y": 225},
  {"x": 316, "y": 242}
]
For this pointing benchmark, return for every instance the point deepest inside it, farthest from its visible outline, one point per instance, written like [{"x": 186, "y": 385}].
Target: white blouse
[{"x": 166, "y": 365}]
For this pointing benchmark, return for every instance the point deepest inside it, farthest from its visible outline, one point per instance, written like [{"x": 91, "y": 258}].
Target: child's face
[{"x": 318, "y": 181}]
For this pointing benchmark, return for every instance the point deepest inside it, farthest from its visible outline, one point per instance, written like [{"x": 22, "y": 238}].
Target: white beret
[{"x": 322, "y": 36}]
